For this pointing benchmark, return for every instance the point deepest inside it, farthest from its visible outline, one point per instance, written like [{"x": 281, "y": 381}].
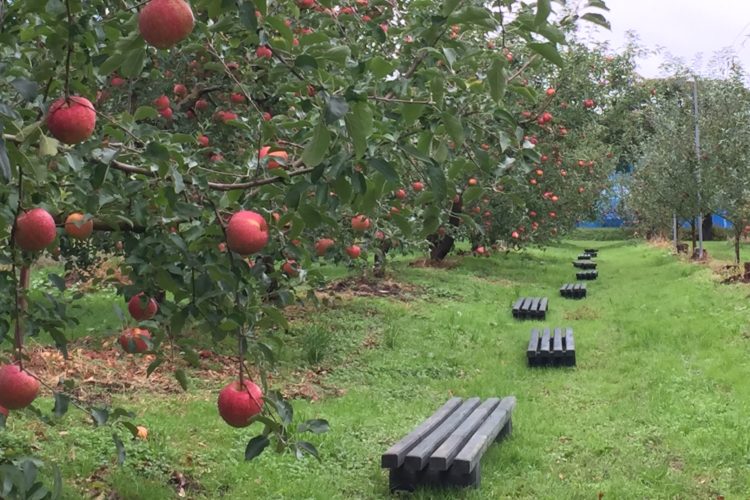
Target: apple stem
[
  {"x": 241, "y": 348},
  {"x": 23, "y": 280},
  {"x": 70, "y": 50},
  {"x": 19, "y": 327}
]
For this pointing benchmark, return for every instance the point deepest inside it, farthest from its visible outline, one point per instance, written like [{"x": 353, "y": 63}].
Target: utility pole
[{"x": 698, "y": 159}]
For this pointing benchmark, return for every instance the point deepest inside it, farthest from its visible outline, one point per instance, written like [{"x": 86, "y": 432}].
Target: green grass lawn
[{"x": 657, "y": 407}]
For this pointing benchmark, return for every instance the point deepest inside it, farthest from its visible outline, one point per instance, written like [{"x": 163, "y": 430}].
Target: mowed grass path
[{"x": 657, "y": 407}]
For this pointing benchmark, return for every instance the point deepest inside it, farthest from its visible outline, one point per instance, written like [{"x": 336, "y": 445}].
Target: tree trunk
[
  {"x": 692, "y": 236},
  {"x": 441, "y": 245},
  {"x": 380, "y": 257},
  {"x": 708, "y": 228},
  {"x": 737, "y": 236}
]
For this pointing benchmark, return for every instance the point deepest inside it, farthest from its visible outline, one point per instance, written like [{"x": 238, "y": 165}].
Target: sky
[{"x": 684, "y": 28}]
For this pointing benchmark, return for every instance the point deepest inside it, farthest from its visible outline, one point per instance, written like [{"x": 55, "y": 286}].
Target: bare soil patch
[{"x": 363, "y": 286}]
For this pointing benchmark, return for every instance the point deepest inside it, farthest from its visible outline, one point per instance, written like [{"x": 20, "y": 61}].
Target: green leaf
[
  {"x": 338, "y": 54},
  {"x": 438, "y": 183},
  {"x": 380, "y": 68},
  {"x": 247, "y": 16},
  {"x": 471, "y": 194},
  {"x": 179, "y": 183},
  {"x": 384, "y": 168},
  {"x": 454, "y": 127},
  {"x": 131, "y": 427},
  {"x": 597, "y": 19},
  {"x": 306, "y": 61},
  {"x": 181, "y": 377},
  {"x": 304, "y": 446},
  {"x": 145, "y": 113},
  {"x": 473, "y": 15},
  {"x": 284, "y": 409},
  {"x": 133, "y": 63},
  {"x": 156, "y": 151},
  {"x": 28, "y": 89},
  {"x": 5, "y": 169},
  {"x": 359, "y": 125},
  {"x": 311, "y": 216},
  {"x": 153, "y": 366},
  {"x": 62, "y": 401},
  {"x": 497, "y": 80},
  {"x": 449, "y": 6},
  {"x": 317, "y": 148},
  {"x": 316, "y": 426},
  {"x": 431, "y": 221},
  {"x": 410, "y": 112},
  {"x": 547, "y": 51},
  {"x": 120, "y": 449},
  {"x": 437, "y": 87},
  {"x": 543, "y": 9},
  {"x": 256, "y": 446},
  {"x": 112, "y": 63},
  {"x": 57, "y": 281},
  {"x": 100, "y": 416},
  {"x": 336, "y": 108},
  {"x": 48, "y": 145},
  {"x": 279, "y": 25},
  {"x": 597, "y": 4}
]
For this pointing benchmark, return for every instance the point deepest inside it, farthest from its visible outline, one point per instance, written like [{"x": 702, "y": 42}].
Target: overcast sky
[{"x": 684, "y": 28}]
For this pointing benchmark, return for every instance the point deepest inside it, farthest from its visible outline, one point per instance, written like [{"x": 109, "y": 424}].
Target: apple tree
[{"x": 224, "y": 147}]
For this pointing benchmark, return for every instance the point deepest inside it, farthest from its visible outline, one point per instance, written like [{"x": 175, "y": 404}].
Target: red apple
[
  {"x": 35, "y": 230},
  {"x": 550, "y": 92},
  {"x": 238, "y": 404},
  {"x": 281, "y": 155},
  {"x": 161, "y": 102},
  {"x": 201, "y": 104},
  {"x": 514, "y": 235},
  {"x": 75, "y": 227},
  {"x": 179, "y": 90},
  {"x": 135, "y": 340},
  {"x": 225, "y": 116},
  {"x": 306, "y": 4},
  {"x": 417, "y": 186},
  {"x": 247, "y": 232},
  {"x": 322, "y": 246},
  {"x": 473, "y": 182},
  {"x": 117, "y": 81},
  {"x": 165, "y": 23},
  {"x": 141, "y": 307},
  {"x": 353, "y": 251},
  {"x": 203, "y": 140},
  {"x": 290, "y": 268},
  {"x": 18, "y": 389},
  {"x": 71, "y": 121},
  {"x": 237, "y": 98},
  {"x": 267, "y": 116},
  {"x": 264, "y": 52},
  {"x": 167, "y": 113},
  {"x": 400, "y": 194},
  {"x": 360, "y": 223}
]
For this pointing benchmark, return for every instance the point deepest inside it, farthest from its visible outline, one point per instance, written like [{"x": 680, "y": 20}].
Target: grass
[{"x": 657, "y": 406}]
